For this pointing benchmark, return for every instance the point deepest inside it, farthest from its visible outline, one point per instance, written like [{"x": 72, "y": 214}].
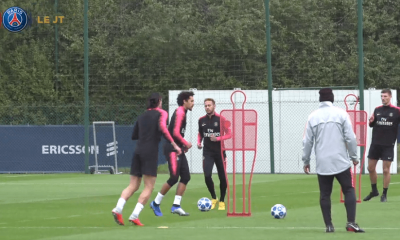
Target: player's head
[
  {"x": 326, "y": 94},
  {"x": 386, "y": 96},
  {"x": 209, "y": 105},
  {"x": 185, "y": 99},
  {"x": 154, "y": 100}
]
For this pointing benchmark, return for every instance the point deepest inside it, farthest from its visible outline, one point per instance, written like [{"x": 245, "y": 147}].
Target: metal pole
[
  {"x": 360, "y": 61},
  {"x": 269, "y": 70},
  {"x": 86, "y": 77},
  {"x": 56, "y": 44},
  {"x": 56, "y": 52}
]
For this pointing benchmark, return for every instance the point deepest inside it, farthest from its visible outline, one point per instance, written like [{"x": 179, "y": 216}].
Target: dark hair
[
  {"x": 386, "y": 90},
  {"x": 184, "y": 95},
  {"x": 326, "y": 94},
  {"x": 209, "y": 99},
  {"x": 153, "y": 100}
]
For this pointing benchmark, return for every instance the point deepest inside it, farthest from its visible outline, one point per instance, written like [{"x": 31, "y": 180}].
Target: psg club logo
[{"x": 15, "y": 19}]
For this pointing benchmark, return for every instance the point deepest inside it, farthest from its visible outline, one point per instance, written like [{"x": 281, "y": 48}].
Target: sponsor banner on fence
[{"x": 62, "y": 149}]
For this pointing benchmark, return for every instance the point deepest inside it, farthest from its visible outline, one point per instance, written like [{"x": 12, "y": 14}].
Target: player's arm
[
  {"x": 350, "y": 138},
  {"x": 162, "y": 125},
  {"x": 180, "y": 115},
  {"x": 200, "y": 136},
  {"x": 308, "y": 142},
  {"x": 372, "y": 119},
  {"x": 226, "y": 130},
  {"x": 398, "y": 112},
  {"x": 135, "y": 134}
]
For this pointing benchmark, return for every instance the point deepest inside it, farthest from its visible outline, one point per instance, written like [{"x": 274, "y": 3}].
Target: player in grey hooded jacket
[{"x": 329, "y": 129}]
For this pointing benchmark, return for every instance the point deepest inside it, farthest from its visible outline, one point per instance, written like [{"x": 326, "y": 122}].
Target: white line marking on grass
[
  {"x": 15, "y": 176},
  {"x": 41, "y": 227},
  {"x": 46, "y": 183},
  {"x": 52, "y": 218},
  {"x": 72, "y": 216},
  {"x": 199, "y": 227},
  {"x": 309, "y": 192},
  {"x": 292, "y": 193},
  {"x": 97, "y": 213},
  {"x": 280, "y": 228},
  {"x": 40, "y": 200},
  {"x": 395, "y": 183}
]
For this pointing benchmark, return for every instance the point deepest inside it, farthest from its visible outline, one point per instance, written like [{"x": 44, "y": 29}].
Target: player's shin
[
  {"x": 120, "y": 204},
  {"x": 158, "y": 198}
]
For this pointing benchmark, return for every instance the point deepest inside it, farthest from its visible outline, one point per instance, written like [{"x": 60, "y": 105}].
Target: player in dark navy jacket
[
  {"x": 209, "y": 132},
  {"x": 384, "y": 121},
  {"x": 149, "y": 128},
  {"x": 177, "y": 163}
]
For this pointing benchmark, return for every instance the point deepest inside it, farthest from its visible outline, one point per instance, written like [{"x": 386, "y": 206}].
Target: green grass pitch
[{"x": 78, "y": 206}]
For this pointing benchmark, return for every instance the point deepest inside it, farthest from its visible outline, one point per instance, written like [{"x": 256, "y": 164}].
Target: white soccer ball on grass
[
  {"x": 204, "y": 204},
  {"x": 278, "y": 211}
]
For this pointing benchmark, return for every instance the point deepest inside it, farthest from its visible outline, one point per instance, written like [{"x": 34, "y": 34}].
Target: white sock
[
  {"x": 177, "y": 200},
  {"x": 120, "y": 204},
  {"x": 139, "y": 207},
  {"x": 158, "y": 198}
]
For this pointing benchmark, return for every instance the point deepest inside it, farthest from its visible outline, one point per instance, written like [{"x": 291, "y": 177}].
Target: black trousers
[
  {"x": 209, "y": 159},
  {"x": 325, "y": 188}
]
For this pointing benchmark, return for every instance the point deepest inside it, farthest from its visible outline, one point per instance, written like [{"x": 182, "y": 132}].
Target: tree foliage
[{"x": 141, "y": 46}]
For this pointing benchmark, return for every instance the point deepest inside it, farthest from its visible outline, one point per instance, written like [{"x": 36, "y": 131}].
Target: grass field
[{"x": 78, "y": 206}]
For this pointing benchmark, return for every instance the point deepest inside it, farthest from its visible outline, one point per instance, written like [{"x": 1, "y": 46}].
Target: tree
[{"x": 142, "y": 46}]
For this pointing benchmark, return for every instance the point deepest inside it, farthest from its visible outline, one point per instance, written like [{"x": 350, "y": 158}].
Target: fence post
[
  {"x": 86, "y": 73},
  {"x": 269, "y": 70},
  {"x": 360, "y": 61}
]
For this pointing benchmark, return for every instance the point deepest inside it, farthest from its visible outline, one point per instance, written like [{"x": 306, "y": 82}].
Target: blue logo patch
[{"x": 15, "y": 19}]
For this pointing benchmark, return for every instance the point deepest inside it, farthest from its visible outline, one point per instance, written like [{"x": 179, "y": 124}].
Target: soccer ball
[
  {"x": 204, "y": 204},
  {"x": 278, "y": 211}
]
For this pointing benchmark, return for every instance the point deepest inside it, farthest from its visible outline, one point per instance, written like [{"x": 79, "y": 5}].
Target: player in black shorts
[
  {"x": 384, "y": 121},
  {"x": 147, "y": 131},
  {"x": 177, "y": 163},
  {"x": 209, "y": 130}
]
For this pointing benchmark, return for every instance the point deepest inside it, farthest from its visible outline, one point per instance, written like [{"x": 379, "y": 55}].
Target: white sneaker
[{"x": 179, "y": 211}]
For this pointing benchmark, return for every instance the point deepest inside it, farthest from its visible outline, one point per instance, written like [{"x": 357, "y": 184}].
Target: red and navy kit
[
  {"x": 148, "y": 130},
  {"x": 210, "y": 126},
  {"x": 385, "y": 125},
  {"x": 384, "y": 132},
  {"x": 178, "y": 164},
  {"x": 177, "y": 126}
]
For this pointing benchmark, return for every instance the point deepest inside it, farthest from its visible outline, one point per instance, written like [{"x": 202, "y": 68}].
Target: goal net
[{"x": 106, "y": 148}]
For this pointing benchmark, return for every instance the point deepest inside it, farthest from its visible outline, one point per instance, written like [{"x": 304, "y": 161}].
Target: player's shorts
[
  {"x": 177, "y": 164},
  {"x": 145, "y": 163},
  {"x": 381, "y": 152}
]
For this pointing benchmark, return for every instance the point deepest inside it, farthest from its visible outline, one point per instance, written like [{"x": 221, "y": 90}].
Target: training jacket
[
  {"x": 329, "y": 129},
  {"x": 208, "y": 126},
  {"x": 385, "y": 125},
  {"x": 149, "y": 128}
]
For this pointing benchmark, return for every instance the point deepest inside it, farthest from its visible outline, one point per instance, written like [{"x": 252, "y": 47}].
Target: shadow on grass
[{"x": 162, "y": 169}]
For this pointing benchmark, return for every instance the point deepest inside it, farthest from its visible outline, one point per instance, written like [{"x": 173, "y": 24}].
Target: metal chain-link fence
[{"x": 291, "y": 109}]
